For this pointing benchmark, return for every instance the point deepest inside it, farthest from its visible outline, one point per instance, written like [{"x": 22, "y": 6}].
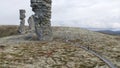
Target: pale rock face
[
  {"x": 42, "y": 16},
  {"x": 31, "y": 24},
  {"x": 21, "y": 29}
]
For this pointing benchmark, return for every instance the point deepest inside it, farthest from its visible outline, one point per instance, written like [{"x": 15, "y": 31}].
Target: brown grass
[
  {"x": 8, "y": 30},
  {"x": 107, "y": 45}
]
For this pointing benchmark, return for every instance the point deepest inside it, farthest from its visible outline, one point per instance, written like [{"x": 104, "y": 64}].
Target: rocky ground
[{"x": 20, "y": 51}]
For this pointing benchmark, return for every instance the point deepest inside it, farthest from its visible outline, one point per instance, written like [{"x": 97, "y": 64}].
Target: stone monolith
[
  {"x": 31, "y": 24},
  {"x": 21, "y": 29},
  {"x": 42, "y": 16}
]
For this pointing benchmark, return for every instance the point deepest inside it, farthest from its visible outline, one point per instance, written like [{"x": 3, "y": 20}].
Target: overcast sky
[{"x": 76, "y": 13}]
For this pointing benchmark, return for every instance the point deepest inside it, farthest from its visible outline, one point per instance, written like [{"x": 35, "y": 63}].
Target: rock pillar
[
  {"x": 42, "y": 16},
  {"x": 31, "y": 24},
  {"x": 21, "y": 29}
]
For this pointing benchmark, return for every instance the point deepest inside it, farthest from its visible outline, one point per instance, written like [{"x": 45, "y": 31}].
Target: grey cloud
[
  {"x": 96, "y": 13},
  {"x": 76, "y": 13}
]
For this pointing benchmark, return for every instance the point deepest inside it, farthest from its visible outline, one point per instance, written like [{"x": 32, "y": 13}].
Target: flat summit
[{"x": 22, "y": 51}]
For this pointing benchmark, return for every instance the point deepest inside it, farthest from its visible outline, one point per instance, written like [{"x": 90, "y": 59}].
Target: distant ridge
[
  {"x": 109, "y": 32},
  {"x": 101, "y": 29}
]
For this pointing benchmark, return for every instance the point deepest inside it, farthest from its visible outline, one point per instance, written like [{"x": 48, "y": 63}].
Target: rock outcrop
[
  {"x": 42, "y": 16},
  {"x": 21, "y": 29}
]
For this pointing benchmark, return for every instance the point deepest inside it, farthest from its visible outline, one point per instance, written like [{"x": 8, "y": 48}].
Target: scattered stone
[
  {"x": 2, "y": 47},
  {"x": 116, "y": 49}
]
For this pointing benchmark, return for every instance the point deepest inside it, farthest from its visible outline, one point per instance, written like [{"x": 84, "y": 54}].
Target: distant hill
[{"x": 109, "y": 32}]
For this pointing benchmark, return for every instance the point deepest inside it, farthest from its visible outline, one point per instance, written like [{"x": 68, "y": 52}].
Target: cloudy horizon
[{"x": 74, "y": 13}]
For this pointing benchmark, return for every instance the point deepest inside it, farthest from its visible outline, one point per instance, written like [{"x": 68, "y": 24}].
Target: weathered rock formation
[
  {"x": 42, "y": 16},
  {"x": 21, "y": 29},
  {"x": 31, "y": 24}
]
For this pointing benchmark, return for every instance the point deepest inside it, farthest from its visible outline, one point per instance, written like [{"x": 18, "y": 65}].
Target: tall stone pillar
[
  {"x": 42, "y": 16},
  {"x": 21, "y": 29},
  {"x": 31, "y": 24}
]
